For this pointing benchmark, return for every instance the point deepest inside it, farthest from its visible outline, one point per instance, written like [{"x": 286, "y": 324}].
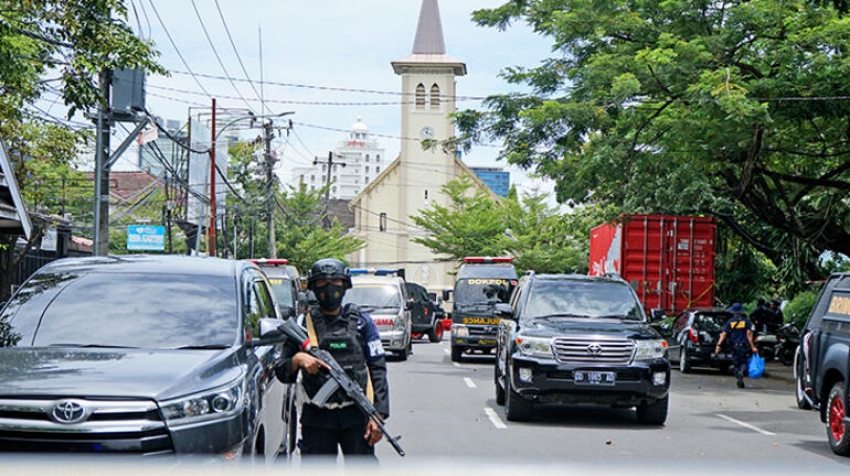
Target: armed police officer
[{"x": 352, "y": 338}]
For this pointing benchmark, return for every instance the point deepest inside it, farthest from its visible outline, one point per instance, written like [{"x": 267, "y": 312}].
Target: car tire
[
  {"x": 435, "y": 334},
  {"x": 456, "y": 353},
  {"x": 684, "y": 363},
  {"x": 516, "y": 407},
  {"x": 724, "y": 368},
  {"x": 799, "y": 382},
  {"x": 404, "y": 353},
  {"x": 654, "y": 413},
  {"x": 500, "y": 391},
  {"x": 836, "y": 431}
]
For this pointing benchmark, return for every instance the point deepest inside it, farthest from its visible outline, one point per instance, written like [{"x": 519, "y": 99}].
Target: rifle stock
[{"x": 292, "y": 330}]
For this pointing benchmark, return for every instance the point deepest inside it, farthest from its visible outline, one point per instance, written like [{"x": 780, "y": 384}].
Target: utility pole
[
  {"x": 271, "y": 190},
  {"x": 101, "y": 179},
  {"x": 212, "y": 238},
  {"x": 331, "y": 163}
]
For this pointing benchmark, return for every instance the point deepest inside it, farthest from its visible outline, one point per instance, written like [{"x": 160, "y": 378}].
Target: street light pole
[{"x": 211, "y": 244}]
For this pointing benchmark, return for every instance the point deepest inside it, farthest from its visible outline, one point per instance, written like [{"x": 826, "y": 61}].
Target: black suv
[
  {"x": 424, "y": 313},
  {"x": 822, "y": 365},
  {"x": 579, "y": 339},
  {"x": 144, "y": 355}
]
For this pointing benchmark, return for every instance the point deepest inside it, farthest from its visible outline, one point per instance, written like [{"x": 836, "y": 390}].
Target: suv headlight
[
  {"x": 535, "y": 346},
  {"x": 650, "y": 349},
  {"x": 460, "y": 330},
  {"x": 204, "y": 406}
]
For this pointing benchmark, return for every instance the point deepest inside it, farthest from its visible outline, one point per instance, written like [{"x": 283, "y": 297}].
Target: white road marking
[
  {"x": 456, "y": 364},
  {"x": 469, "y": 382},
  {"x": 746, "y": 425},
  {"x": 445, "y": 350},
  {"x": 494, "y": 418}
]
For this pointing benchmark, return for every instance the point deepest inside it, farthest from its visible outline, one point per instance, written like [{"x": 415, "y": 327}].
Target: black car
[
  {"x": 579, "y": 339},
  {"x": 144, "y": 355},
  {"x": 694, "y": 335},
  {"x": 424, "y": 313}
]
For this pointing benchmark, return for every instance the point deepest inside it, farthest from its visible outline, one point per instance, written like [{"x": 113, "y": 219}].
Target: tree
[
  {"x": 729, "y": 108},
  {"x": 56, "y": 47},
  {"x": 473, "y": 224}
]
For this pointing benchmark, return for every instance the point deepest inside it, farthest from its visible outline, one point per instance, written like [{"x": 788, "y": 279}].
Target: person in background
[
  {"x": 352, "y": 338},
  {"x": 739, "y": 330},
  {"x": 763, "y": 317}
]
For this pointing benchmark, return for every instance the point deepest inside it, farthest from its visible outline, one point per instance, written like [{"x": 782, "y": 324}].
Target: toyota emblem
[
  {"x": 594, "y": 349},
  {"x": 69, "y": 411}
]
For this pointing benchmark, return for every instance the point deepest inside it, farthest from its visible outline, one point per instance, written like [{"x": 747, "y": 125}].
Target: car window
[
  {"x": 374, "y": 295},
  {"x": 590, "y": 299},
  {"x": 283, "y": 291},
  {"x": 147, "y": 310},
  {"x": 681, "y": 321},
  {"x": 482, "y": 290},
  {"x": 711, "y": 322}
]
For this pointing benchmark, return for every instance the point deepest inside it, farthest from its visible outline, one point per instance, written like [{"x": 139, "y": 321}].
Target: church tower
[{"x": 414, "y": 180}]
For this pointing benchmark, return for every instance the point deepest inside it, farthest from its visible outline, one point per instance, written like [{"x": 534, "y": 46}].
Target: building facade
[
  {"x": 413, "y": 181},
  {"x": 354, "y": 163}
]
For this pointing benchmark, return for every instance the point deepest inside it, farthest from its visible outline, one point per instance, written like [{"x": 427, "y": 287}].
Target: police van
[{"x": 481, "y": 283}]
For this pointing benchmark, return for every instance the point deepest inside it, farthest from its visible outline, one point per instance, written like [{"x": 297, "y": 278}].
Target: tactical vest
[{"x": 343, "y": 341}]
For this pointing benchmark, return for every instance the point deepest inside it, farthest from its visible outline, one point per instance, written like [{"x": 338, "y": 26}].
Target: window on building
[
  {"x": 378, "y": 158},
  {"x": 324, "y": 168},
  {"x": 335, "y": 167},
  {"x": 435, "y": 96},
  {"x": 382, "y": 223},
  {"x": 426, "y": 195},
  {"x": 366, "y": 182},
  {"x": 377, "y": 170},
  {"x": 420, "y": 96},
  {"x": 367, "y": 157},
  {"x": 312, "y": 179},
  {"x": 367, "y": 171}
]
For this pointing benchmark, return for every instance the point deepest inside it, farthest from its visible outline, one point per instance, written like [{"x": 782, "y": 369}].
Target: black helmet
[{"x": 328, "y": 268}]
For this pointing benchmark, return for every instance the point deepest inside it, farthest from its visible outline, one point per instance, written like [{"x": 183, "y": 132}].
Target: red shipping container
[{"x": 669, "y": 260}]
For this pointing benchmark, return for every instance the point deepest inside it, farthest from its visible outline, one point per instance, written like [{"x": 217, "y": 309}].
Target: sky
[{"x": 336, "y": 52}]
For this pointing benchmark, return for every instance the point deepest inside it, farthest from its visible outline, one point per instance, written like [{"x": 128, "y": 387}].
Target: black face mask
[{"x": 330, "y": 296}]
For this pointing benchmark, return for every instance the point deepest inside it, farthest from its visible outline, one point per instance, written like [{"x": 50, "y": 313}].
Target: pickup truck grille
[
  {"x": 593, "y": 350},
  {"x": 30, "y": 425}
]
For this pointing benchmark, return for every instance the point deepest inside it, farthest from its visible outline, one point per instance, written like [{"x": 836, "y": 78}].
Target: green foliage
[
  {"x": 733, "y": 109},
  {"x": 798, "y": 309}
]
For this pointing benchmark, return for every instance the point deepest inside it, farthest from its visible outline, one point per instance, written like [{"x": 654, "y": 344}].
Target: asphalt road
[{"x": 447, "y": 415}]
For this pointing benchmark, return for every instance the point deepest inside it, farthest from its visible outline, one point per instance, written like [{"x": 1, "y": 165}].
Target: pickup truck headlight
[
  {"x": 460, "y": 330},
  {"x": 535, "y": 346},
  {"x": 650, "y": 349},
  {"x": 204, "y": 406}
]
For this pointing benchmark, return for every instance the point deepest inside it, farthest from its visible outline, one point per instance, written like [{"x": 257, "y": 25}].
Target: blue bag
[{"x": 755, "y": 366}]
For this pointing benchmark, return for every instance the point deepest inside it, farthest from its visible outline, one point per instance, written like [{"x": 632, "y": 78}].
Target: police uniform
[
  {"x": 353, "y": 340},
  {"x": 736, "y": 330}
]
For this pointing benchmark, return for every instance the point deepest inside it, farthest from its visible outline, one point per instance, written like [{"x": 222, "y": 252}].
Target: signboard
[
  {"x": 48, "y": 241},
  {"x": 145, "y": 238}
]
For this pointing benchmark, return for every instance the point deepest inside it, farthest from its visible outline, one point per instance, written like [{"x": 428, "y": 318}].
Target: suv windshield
[
  {"x": 282, "y": 290},
  {"x": 579, "y": 299},
  {"x": 482, "y": 290},
  {"x": 374, "y": 296},
  {"x": 138, "y": 310}
]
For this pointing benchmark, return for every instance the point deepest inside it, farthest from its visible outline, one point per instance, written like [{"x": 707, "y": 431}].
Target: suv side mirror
[
  {"x": 656, "y": 315},
  {"x": 503, "y": 311},
  {"x": 447, "y": 294}
]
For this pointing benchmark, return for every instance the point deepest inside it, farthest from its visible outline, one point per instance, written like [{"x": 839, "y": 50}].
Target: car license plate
[{"x": 585, "y": 377}]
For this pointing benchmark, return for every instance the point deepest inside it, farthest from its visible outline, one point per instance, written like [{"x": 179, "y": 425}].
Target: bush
[{"x": 798, "y": 309}]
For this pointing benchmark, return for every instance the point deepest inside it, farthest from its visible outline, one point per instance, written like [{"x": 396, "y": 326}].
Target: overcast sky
[{"x": 317, "y": 51}]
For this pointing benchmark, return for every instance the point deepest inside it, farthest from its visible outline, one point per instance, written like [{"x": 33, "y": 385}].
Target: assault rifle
[{"x": 339, "y": 379}]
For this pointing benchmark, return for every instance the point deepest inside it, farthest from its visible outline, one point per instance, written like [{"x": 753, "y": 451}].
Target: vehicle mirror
[
  {"x": 656, "y": 315},
  {"x": 269, "y": 333},
  {"x": 408, "y": 305},
  {"x": 503, "y": 311},
  {"x": 447, "y": 294}
]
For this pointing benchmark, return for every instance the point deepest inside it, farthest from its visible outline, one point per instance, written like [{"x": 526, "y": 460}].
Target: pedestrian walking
[
  {"x": 739, "y": 330},
  {"x": 352, "y": 338}
]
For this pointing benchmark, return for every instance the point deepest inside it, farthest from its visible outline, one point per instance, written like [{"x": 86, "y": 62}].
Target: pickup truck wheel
[
  {"x": 799, "y": 383},
  {"x": 684, "y": 364},
  {"x": 435, "y": 334},
  {"x": 500, "y": 391},
  {"x": 653, "y": 413},
  {"x": 456, "y": 353},
  {"x": 839, "y": 440},
  {"x": 516, "y": 407}
]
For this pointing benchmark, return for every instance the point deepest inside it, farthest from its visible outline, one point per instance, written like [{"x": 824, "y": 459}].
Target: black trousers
[
  {"x": 740, "y": 357},
  {"x": 328, "y": 441}
]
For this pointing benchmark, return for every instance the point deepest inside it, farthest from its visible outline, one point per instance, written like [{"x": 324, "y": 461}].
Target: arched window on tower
[
  {"x": 420, "y": 96},
  {"x": 435, "y": 96}
]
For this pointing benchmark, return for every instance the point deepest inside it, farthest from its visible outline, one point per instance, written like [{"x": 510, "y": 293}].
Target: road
[{"x": 447, "y": 413}]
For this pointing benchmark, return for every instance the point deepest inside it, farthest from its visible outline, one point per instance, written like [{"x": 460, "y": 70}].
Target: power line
[
  {"x": 176, "y": 49},
  {"x": 215, "y": 52},
  {"x": 236, "y": 51}
]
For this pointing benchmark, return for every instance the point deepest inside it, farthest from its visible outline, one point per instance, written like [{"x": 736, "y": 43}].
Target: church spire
[{"x": 429, "y": 32}]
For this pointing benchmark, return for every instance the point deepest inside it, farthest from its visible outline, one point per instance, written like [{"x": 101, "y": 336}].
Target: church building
[{"x": 413, "y": 181}]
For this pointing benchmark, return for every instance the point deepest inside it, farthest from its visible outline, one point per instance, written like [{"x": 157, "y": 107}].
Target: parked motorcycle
[
  {"x": 788, "y": 339},
  {"x": 767, "y": 345}
]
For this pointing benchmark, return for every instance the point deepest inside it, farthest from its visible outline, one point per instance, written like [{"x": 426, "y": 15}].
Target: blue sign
[{"x": 145, "y": 238}]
